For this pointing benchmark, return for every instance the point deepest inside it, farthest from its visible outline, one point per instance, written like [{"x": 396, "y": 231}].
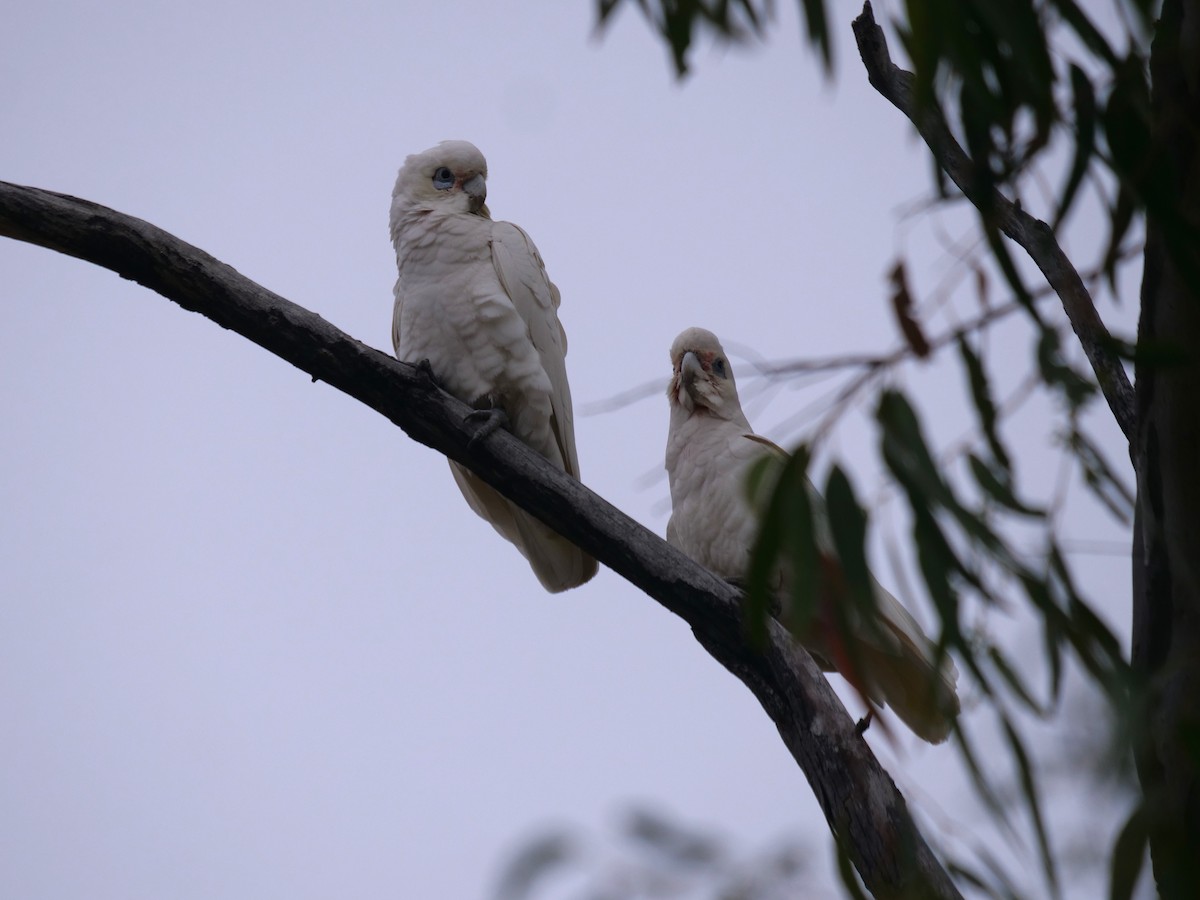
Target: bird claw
[
  {"x": 491, "y": 420},
  {"x": 864, "y": 723},
  {"x": 425, "y": 369}
]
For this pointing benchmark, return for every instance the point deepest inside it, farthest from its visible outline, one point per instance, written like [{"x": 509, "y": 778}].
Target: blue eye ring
[
  {"x": 719, "y": 367},
  {"x": 443, "y": 179}
]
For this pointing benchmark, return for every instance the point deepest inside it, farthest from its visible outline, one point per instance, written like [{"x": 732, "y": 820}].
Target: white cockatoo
[
  {"x": 473, "y": 298},
  {"x": 710, "y": 448}
]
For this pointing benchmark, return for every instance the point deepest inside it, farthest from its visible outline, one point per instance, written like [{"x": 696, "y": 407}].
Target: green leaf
[
  {"x": 850, "y": 881},
  {"x": 1009, "y": 674},
  {"x": 982, "y": 786},
  {"x": 857, "y": 618},
  {"x": 786, "y": 543},
  {"x": 1004, "y": 259},
  {"x": 981, "y": 396},
  {"x": 907, "y": 456},
  {"x": 848, "y": 524},
  {"x": 1126, "y": 118},
  {"x": 1128, "y": 856},
  {"x": 1055, "y": 626},
  {"x": 999, "y": 489},
  {"x": 1032, "y": 800},
  {"x": 533, "y": 863},
  {"x": 760, "y": 574},
  {"x": 1083, "y": 102},
  {"x": 818, "y": 31},
  {"x": 1100, "y": 477},
  {"x": 1002, "y": 890},
  {"x": 1057, "y": 373},
  {"x": 1088, "y": 33},
  {"x": 803, "y": 555},
  {"x": 1097, "y": 647},
  {"x": 1120, "y": 217}
]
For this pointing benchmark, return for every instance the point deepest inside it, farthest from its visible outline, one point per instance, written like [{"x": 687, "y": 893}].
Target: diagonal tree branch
[
  {"x": 1032, "y": 234},
  {"x": 865, "y": 811}
]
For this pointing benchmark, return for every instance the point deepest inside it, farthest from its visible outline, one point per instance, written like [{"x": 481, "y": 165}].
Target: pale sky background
[{"x": 253, "y": 643}]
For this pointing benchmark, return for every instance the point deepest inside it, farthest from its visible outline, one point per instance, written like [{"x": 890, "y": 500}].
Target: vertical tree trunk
[{"x": 1166, "y": 619}]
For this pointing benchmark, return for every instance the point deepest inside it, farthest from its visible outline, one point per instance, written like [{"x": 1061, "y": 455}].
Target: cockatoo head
[
  {"x": 450, "y": 178},
  {"x": 701, "y": 377}
]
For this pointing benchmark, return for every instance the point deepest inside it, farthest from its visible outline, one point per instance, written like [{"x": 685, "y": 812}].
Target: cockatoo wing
[
  {"x": 557, "y": 562},
  {"x": 923, "y": 696},
  {"x": 523, "y": 276}
]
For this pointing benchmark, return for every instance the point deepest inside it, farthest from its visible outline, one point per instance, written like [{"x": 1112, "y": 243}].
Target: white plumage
[
  {"x": 710, "y": 448},
  {"x": 473, "y": 298}
]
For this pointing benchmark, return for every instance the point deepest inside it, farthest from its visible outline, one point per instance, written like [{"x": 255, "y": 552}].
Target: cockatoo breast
[
  {"x": 452, "y": 310},
  {"x": 711, "y": 518}
]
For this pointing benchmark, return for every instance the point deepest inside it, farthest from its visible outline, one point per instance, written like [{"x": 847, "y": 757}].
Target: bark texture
[
  {"x": 866, "y": 813},
  {"x": 1166, "y": 615}
]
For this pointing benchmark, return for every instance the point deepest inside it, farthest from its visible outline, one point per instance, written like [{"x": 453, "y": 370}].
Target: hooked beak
[
  {"x": 692, "y": 378},
  {"x": 476, "y": 188},
  {"x": 690, "y": 372}
]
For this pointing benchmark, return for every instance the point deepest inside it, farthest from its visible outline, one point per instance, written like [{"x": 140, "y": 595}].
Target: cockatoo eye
[
  {"x": 443, "y": 179},
  {"x": 719, "y": 366}
]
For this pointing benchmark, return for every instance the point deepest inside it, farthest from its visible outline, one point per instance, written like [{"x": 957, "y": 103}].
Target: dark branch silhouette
[
  {"x": 865, "y": 811},
  {"x": 1032, "y": 234}
]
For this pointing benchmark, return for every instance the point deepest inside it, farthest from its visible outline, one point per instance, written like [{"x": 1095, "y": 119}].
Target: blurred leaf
[
  {"x": 675, "y": 844},
  {"x": 857, "y": 619},
  {"x": 850, "y": 881},
  {"x": 981, "y": 396},
  {"x": 1057, "y": 373},
  {"x": 1003, "y": 891},
  {"x": 1099, "y": 476},
  {"x": 761, "y": 478},
  {"x": 1032, "y": 801},
  {"x": 902, "y": 308},
  {"x": 1128, "y": 857},
  {"x": 787, "y": 536},
  {"x": 905, "y": 450},
  {"x": 907, "y": 456},
  {"x": 818, "y": 30},
  {"x": 1054, "y": 627},
  {"x": 999, "y": 490},
  {"x": 1097, "y": 647},
  {"x": 802, "y": 554},
  {"x": 1003, "y": 258},
  {"x": 1120, "y": 217},
  {"x": 982, "y": 786},
  {"x": 1126, "y": 119},
  {"x": 532, "y": 863},
  {"x": 761, "y": 583},
  {"x": 1088, "y": 33},
  {"x": 848, "y": 524},
  {"x": 1009, "y": 674},
  {"x": 678, "y": 22},
  {"x": 1084, "y": 106}
]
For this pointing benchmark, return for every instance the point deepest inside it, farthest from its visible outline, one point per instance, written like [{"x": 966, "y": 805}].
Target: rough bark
[
  {"x": 865, "y": 811},
  {"x": 1030, "y": 233},
  {"x": 1166, "y": 615}
]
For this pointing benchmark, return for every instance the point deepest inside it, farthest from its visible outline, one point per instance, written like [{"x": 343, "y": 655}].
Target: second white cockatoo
[
  {"x": 473, "y": 298},
  {"x": 710, "y": 450}
]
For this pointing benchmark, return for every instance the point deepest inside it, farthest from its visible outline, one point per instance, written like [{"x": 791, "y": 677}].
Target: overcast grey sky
[{"x": 253, "y": 643}]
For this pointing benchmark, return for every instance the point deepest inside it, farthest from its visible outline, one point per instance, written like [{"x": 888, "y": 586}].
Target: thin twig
[{"x": 1035, "y": 236}]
